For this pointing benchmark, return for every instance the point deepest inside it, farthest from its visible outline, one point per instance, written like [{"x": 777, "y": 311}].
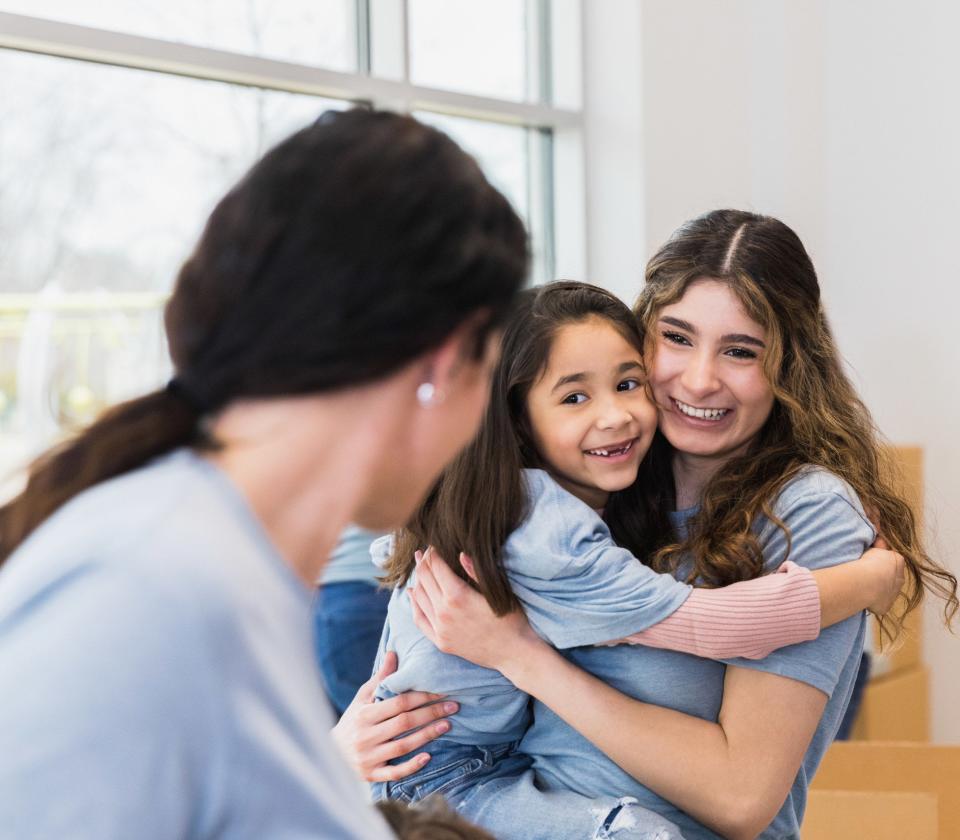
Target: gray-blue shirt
[
  {"x": 157, "y": 674},
  {"x": 350, "y": 560},
  {"x": 827, "y": 526},
  {"x": 577, "y": 587}
]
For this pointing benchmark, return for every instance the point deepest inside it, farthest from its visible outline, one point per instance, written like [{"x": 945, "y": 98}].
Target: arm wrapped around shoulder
[{"x": 749, "y": 619}]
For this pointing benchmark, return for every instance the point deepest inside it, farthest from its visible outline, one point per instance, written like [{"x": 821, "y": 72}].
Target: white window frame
[{"x": 555, "y": 152}]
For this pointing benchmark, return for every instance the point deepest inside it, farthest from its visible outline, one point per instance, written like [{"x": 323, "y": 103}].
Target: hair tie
[{"x": 188, "y": 394}]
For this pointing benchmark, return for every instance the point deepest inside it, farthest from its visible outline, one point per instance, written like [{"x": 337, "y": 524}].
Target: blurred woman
[{"x": 332, "y": 334}]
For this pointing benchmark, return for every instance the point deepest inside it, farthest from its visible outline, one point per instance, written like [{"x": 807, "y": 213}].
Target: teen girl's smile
[
  {"x": 707, "y": 374},
  {"x": 591, "y": 419}
]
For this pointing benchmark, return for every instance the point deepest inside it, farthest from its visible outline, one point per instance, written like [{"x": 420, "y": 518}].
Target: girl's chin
[
  {"x": 619, "y": 479},
  {"x": 696, "y": 446},
  {"x": 691, "y": 444}
]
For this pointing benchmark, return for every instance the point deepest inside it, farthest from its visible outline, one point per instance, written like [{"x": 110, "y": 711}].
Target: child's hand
[
  {"x": 458, "y": 620},
  {"x": 887, "y": 571},
  {"x": 366, "y": 731}
]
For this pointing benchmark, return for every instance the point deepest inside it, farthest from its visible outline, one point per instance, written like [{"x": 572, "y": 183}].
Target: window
[
  {"x": 121, "y": 124},
  {"x": 319, "y": 32}
]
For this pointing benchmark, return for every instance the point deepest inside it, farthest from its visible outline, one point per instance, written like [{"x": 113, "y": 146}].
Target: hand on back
[
  {"x": 369, "y": 733},
  {"x": 458, "y": 619}
]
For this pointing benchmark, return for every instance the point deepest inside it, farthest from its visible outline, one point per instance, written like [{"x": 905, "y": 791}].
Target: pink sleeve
[{"x": 748, "y": 619}]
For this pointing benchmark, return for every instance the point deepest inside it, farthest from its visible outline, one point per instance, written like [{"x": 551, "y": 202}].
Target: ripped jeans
[{"x": 495, "y": 787}]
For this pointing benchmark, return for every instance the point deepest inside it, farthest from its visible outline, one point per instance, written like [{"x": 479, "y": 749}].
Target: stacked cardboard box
[
  {"x": 879, "y": 771},
  {"x": 896, "y": 703}
]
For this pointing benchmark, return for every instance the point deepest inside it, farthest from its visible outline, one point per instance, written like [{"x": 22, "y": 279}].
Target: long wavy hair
[
  {"x": 480, "y": 498},
  {"x": 349, "y": 249},
  {"x": 817, "y": 417}
]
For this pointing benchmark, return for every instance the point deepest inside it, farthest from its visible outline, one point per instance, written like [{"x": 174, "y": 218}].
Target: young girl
[{"x": 537, "y": 501}]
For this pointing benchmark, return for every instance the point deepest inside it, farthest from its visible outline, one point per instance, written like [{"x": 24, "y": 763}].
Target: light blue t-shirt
[
  {"x": 157, "y": 674},
  {"x": 577, "y": 588},
  {"x": 827, "y": 526},
  {"x": 350, "y": 560}
]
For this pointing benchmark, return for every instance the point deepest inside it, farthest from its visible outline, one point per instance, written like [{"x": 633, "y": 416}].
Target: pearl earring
[{"x": 428, "y": 394}]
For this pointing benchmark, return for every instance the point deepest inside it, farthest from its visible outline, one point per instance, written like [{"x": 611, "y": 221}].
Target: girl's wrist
[{"x": 527, "y": 658}]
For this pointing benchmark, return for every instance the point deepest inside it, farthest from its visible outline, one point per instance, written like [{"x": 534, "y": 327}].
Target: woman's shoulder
[
  {"x": 167, "y": 530},
  {"x": 812, "y": 483},
  {"x": 818, "y": 505},
  {"x": 114, "y": 521}
]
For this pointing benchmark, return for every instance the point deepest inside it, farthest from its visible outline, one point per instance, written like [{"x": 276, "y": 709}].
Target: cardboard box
[
  {"x": 909, "y": 459},
  {"x": 895, "y": 707},
  {"x": 904, "y": 654},
  {"x": 846, "y": 814},
  {"x": 897, "y": 767},
  {"x": 907, "y": 652}
]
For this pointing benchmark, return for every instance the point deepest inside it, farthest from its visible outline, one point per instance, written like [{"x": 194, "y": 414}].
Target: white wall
[
  {"x": 613, "y": 117},
  {"x": 842, "y": 119}
]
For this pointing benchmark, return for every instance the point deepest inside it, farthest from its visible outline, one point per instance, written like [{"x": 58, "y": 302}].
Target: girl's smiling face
[
  {"x": 589, "y": 413},
  {"x": 707, "y": 373}
]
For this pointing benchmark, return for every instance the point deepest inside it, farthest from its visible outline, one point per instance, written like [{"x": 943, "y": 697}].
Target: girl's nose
[
  {"x": 612, "y": 415},
  {"x": 699, "y": 377}
]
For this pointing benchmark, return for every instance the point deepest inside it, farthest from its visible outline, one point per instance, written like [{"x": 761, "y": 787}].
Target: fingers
[
  {"x": 896, "y": 582},
  {"x": 413, "y": 720},
  {"x": 451, "y": 585},
  {"x": 426, "y": 577},
  {"x": 901, "y": 572},
  {"x": 468, "y": 567},
  {"x": 422, "y": 613},
  {"x": 366, "y": 691},
  {"x": 395, "y": 772},
  {"x": 404, "y": 703},
  {"x": 407, "y": 744}
]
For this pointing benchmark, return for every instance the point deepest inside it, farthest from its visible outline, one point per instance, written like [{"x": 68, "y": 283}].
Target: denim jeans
[
  {"x": 348, "y": 620},
  {"x": 495, "y": 788}
]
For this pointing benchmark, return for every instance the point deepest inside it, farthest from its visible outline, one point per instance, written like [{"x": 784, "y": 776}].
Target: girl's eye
[
  {"x": 741, "y": 353},
  {"x": 574, "y": 399},
  {"x": 628, "y": 385},
  {"x": 676, "y": 338}
]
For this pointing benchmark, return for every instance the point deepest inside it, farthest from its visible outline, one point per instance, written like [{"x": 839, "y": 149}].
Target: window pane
[
  {"x": 106, "y": 176},
  {"x": 471, "y": 47},
  {"x": 500, "y": 149},
  {"x": 507, "y": 154},
  {"x": 319, "y": 32}
]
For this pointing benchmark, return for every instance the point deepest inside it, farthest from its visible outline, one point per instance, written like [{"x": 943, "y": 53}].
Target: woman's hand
[
  {"x": 458, "y": 619},
  {"x": 887, "y": 570},
  {"x": 366, "y": 731}
]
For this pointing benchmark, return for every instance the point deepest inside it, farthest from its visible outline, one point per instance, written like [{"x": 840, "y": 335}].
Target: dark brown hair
[
  {"x": 817, "y": 416},
  {"x": 430, "y": 819},
  {"x": 348, "y": 250},
  {"x": 480, "y": 498}
]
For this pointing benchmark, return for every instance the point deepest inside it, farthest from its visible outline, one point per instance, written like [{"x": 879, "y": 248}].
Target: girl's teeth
[
  {"x": 701, "y": 413},
  {"x": 608, "y": 452}
]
